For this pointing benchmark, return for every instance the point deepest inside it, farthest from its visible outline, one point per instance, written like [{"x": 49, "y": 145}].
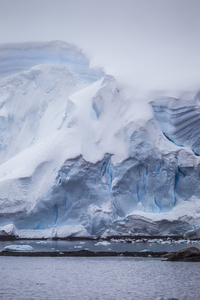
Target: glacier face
[
  {"x": 179, "y": 121},
  {"x": 77, "y": 152}
]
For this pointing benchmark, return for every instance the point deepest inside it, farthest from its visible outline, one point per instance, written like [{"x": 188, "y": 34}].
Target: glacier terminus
[{"x": 81, "y": 157}]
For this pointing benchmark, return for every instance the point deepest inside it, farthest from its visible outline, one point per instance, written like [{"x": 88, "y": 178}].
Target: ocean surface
[{"x": 100, "y": 278}]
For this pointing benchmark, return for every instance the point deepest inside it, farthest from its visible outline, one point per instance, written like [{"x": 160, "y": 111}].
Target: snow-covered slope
[{"x": 79, "y": 156}]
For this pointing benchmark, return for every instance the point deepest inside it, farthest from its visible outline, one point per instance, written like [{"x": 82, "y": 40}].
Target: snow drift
[{"x": 78, "y": 156}]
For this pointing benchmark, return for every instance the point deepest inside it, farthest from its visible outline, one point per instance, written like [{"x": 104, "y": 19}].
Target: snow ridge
[{"x": 16, "y": 58}]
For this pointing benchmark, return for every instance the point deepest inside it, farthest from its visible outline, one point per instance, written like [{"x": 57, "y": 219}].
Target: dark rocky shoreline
[
  {"x": 83, "y": 253},
  {"x": 188, "y": 254},
  {"x": 126, "y": 238},
  {"x": 191, "y": 254}
]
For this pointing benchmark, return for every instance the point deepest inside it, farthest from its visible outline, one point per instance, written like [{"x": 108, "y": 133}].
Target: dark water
[
  {"x": 96, "y": 246},
  {"x": 91, "y": 278}
]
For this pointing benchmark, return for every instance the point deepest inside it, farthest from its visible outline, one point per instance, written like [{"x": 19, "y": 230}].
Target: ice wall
[
  {"x": 76, "y": 151},
  {"x": 179, "y": 121}
]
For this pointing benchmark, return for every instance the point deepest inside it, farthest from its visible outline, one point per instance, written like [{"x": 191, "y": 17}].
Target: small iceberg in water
[
  {"x": 103, "y": 243},
  {"x": 18, "y": 248}
]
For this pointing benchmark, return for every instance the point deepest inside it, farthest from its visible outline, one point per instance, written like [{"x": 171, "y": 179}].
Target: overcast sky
[{"x": 147, "y": 44}]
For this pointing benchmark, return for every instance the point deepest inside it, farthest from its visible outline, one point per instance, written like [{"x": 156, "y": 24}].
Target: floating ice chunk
[
  {"x": 154, "y": 241},
  {"x": 166, "y": 242},
  {"x": 104, "y": 243},
  {"x": 195, "y": 242},
  {"x": 145, "y": 250},
  {"x": 18, "y": 248},
  {"x": 41, "y": 242},
  {"x": 182, "y": 241}
]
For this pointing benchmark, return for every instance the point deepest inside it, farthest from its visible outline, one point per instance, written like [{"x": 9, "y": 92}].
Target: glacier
[{"x": 80, "y": 156}]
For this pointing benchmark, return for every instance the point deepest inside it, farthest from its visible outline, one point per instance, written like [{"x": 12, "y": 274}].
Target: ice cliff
[{"x": 79, "y": 156}]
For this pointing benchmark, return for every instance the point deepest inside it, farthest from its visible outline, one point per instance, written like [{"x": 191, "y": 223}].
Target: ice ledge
[{"x": 65, "y": 231}]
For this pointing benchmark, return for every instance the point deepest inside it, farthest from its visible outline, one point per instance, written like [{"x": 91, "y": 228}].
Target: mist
[{"x": 147, "y": 45}]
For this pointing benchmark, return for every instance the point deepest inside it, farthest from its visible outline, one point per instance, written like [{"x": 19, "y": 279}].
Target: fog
[{"x": 147, "y": 45}]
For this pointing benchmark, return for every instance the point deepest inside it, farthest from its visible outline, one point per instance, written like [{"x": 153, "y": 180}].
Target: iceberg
[
  {"x": 79, "y": 156},
  {"x": 18, "y": 248},
  {"x": 103, "y": 243}
]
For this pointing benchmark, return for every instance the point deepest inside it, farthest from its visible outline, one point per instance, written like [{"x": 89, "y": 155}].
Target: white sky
[{"x": 146, "y": 44}]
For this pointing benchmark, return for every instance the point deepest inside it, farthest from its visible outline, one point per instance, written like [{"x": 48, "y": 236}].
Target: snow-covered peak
[{"x": 15, "y": 58}]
